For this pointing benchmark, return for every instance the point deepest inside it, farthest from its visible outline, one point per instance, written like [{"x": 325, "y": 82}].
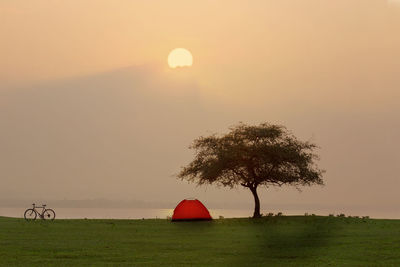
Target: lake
[
  {"x": 146, "y": 213},
  {"x": 120, "y": 213}
]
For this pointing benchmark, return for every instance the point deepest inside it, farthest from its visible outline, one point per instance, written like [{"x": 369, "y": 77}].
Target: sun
[{"x": 180, "y": 57}]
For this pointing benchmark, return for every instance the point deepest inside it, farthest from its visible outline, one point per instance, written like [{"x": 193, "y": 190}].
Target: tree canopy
[{"x": 253, "y": 156}]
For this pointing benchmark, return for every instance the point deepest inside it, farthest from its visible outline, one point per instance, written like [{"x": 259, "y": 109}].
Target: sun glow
[{"x": 180, "y": 57}]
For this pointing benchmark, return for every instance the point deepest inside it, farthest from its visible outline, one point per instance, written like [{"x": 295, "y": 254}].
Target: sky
[{"x": 90, "y": 109}]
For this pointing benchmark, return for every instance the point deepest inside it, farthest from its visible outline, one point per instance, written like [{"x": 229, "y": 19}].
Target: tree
[{"x": 252, "y": 156}]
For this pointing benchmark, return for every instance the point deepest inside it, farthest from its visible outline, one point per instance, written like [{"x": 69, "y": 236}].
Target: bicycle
[{"x": 45, "y": 214}]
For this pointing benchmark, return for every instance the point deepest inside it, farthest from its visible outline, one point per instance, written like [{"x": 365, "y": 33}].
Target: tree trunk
[{"x": 256, "y": 213}]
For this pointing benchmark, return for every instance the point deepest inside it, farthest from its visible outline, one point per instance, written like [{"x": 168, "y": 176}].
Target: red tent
[{"x": 190, "y": 210}]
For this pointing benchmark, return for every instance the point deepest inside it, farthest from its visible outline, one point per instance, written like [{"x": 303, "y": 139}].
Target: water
[
  {"x": 119, "y": 213},
  {"x": 132, "y": 213}
]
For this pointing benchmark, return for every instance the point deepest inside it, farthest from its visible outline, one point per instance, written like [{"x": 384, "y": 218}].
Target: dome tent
[{"x": 191, "y": 210}]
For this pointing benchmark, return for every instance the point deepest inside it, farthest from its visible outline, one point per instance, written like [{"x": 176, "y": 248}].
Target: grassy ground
[{"x": 275, "y": 241}]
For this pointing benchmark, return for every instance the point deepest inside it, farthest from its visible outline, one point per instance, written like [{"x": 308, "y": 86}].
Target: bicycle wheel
[
  {"x": 30, "y": 215},
  {"x": 49, "y": 214}
]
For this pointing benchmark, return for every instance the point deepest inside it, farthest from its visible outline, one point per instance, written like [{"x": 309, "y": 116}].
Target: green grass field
[{"x": 271, "y": 241}]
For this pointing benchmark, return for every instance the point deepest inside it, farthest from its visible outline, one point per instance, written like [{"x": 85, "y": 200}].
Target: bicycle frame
[{"x": 37, "y": 212}]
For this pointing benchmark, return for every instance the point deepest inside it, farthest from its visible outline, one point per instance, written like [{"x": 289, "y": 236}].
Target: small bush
[
  {"x": 279, "y": 214},
  {"x": 306, "y": 214},
  {"x": 221, "y": 217},
  {"x": 270, "y": 214},
  {"x": 365, "y": 217},
  {"x": 331, "y": 215},
  {"x": 341, "y": 215}
]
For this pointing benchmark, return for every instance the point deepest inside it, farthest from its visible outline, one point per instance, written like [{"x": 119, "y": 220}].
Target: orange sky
[{"x": 89, "y": 107}]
